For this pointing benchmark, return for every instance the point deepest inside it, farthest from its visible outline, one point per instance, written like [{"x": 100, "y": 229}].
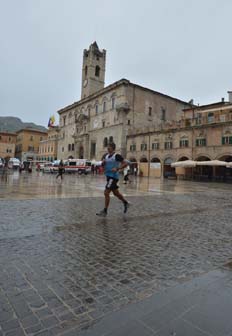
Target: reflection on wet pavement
[
  {"x": 39, "y": 185},
  {"x": 63, "y": 268}
]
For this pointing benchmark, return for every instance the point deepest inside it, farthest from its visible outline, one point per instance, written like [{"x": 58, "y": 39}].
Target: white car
[
  {"x": 55, "y": 165},
  {"x": 1, "y": 163},
  {"x": 14, "y": 163},
  {"x": 47, "y": 168}
]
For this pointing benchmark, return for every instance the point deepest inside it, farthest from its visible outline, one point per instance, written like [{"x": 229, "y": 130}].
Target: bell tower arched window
[{"x": 97, "y": 71}]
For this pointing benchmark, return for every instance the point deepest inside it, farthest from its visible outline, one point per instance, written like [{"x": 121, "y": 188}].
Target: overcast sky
[{"x": 178, "y": 47}]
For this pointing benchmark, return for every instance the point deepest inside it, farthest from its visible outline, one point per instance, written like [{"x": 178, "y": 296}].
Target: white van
[{"x": 80, "y": 166}]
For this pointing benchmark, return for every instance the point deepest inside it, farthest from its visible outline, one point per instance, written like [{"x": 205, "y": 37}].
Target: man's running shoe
[
  {"x": 126, "y": 206},
  {"x": 102, "y": 213}
]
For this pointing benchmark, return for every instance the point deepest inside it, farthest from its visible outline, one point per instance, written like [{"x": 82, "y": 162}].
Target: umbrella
[
  {"x": 184, "y": 164},
  {"x": 212, "y": 163}
]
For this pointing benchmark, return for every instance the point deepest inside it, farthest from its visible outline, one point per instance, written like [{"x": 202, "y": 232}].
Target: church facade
[{"x": 109, "y": 114}]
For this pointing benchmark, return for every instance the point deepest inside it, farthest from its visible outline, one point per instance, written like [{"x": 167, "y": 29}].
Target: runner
[{"x": 112, "y": 163}]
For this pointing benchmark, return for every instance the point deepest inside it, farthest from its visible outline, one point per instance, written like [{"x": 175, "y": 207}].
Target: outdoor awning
[
  {"x": 191, "y": 163},
  {"x": 212, "y": 163},
  {"x": 184, "y": 164}
]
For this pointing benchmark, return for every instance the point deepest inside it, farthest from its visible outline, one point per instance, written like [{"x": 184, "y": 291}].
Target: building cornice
[
  {"x": 179, "y": 129},
  {"x": 113, "y": 86},
  {"x": 160, "y": 94},
  {"x": 94, "y": 95},
  {"x": 29, "y": 130},
  {"x": 8, "y": 133},
  {"x": 210, "y": 107}
]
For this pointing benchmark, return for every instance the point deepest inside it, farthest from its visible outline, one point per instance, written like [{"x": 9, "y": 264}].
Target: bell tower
[{"x": 93, "y": 70}]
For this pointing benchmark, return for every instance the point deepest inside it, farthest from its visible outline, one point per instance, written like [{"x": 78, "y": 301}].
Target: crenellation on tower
[{"x": 93, "y": 70}]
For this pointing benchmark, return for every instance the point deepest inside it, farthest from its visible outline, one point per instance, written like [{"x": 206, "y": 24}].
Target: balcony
[{"x": 123, "y": 107}]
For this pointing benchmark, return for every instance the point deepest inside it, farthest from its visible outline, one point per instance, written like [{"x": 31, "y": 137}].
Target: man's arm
[
  {"x": 122, "y": 161},
  {"x": 103, "y": 160}
]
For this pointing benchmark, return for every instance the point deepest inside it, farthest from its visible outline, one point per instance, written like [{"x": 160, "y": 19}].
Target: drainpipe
[{"x": 149, "y": 153}]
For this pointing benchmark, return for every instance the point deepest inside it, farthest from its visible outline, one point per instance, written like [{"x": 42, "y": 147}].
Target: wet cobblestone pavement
[{"x": 62, "y": 269}]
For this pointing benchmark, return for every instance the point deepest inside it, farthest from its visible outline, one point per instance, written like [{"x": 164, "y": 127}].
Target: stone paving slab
[
  {"x": 63, "y": 269},
  {"x": 201, "y": 307}
]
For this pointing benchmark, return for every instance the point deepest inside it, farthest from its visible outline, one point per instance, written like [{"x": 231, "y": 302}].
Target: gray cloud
[{"x": 180, "y": 47}]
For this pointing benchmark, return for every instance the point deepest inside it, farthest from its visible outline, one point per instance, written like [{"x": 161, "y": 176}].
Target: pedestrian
[
  {"x": 126, "y": 174},
  {"x": 60, "y": 170},
  {"x": 92, "y": 169},
  {"x": 5, "y": 171},
  {"x": 96, "y": 169},
  {"x": 113, "y": 163},
  {"x": 135, "y": 171}
]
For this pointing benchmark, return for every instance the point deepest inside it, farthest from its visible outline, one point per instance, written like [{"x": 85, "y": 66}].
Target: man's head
[{"x": 111, "y": 148}]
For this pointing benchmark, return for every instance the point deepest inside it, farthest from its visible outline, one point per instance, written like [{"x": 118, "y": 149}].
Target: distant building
[
  {"x": 106, "y": 114},
  {"x": 7, "y": 144},
  {"x": 48, "y": 147},
  {"x": 27, "y": 144},
  {"x": 202, "y": 133}
]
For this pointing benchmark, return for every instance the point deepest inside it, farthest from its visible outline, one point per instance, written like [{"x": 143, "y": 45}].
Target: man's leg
[
  {"x": 119, "y": 196},
  {"x": 107, "y": 198},
  {"x": 103, "y": 212}
]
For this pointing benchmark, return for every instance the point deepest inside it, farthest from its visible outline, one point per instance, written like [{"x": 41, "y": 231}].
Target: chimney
[
  {"x": 230, "y": 96},
  {"x": 223, "y": 100}
]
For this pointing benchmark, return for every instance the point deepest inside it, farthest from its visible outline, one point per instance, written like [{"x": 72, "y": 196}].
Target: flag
[{"x": 51, "y": 121}]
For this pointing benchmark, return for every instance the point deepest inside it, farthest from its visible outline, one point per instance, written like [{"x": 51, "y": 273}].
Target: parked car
[
  {"x": 40, "y": 165},
  {"x": 48, "y": 167},
  {"x": 1, "y": 163},
  {"x": 14, "y": 163},
  {"x": 54, "y": 167}
]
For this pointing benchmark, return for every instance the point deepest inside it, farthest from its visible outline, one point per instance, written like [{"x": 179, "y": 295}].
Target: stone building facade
[
  {"x": 202, "y": 133},
  {"x": 106, "y": 114},
  {"x": 7, "y": 144},
  {"x": 48, "y": 147},
  {"x": 27, "y": 144}
]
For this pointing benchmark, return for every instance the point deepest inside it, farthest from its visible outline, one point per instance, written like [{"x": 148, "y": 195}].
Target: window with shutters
[
  {"x": 155, "y": 145},
  {"x": 227, "y": 140},
  {"x": 133, "y": 147},
  {"x": 168, "y": 145},
  {"x": 143, "y": 147},
  {"x": 201, "y": 142},
  {"x": 183, "y": 143}
]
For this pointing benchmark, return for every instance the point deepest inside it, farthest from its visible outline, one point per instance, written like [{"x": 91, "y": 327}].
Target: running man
[{"x": 112, "y": 163}]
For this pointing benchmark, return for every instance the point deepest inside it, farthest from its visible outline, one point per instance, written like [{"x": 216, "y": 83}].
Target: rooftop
[{"x": 116, "y": 84}]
